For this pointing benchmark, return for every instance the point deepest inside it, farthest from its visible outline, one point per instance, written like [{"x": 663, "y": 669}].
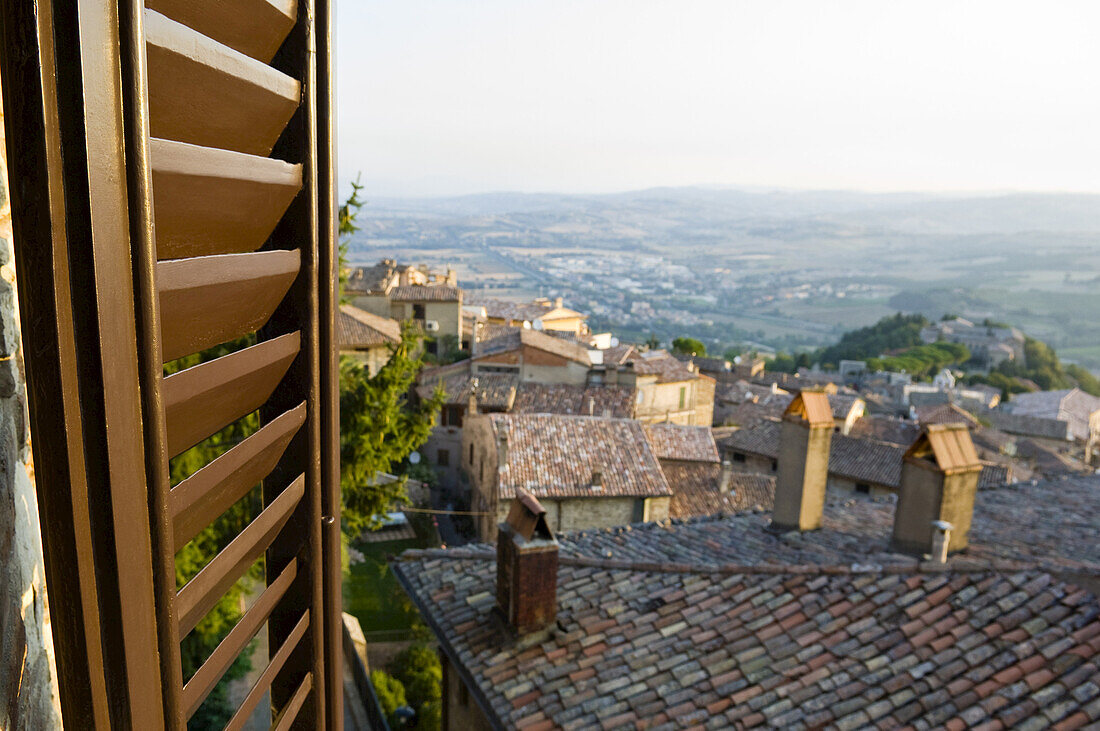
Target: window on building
[
  {"x": 471, "y": 455},
  {"x": 683, "y": 396},
  {"x": 639, "y": 511},
  {"x": 443, "y": 458},
  {"x": 863, "y": 488},
  {"x": 775, "y": 465},
  {"x": 739, "y": 457},
  {"x": 418, "y": 312}
]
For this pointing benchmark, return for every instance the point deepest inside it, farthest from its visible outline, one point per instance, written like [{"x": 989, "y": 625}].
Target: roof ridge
[{"x": 910, "y": 566}]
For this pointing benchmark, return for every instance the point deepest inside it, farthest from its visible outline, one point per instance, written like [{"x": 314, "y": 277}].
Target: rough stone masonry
[{"x": 28, "y": 678}]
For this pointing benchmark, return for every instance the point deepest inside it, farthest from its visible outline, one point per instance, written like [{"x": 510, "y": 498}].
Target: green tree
[
  {"x": 689, "y": 346},
  {"x": 379, "y": 427},
  {"x": 781, "y": 363},
  {"x": 419, "y": 670},
  {"x": 732, "y": 352},
  {"x": 390, "y": 692},
  {"x": 348, "y": 226}
]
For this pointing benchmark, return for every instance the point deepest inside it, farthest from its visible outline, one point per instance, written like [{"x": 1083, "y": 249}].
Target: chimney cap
[
  {"x": 811, "y": 407},
  {"x": 948, "y": 447},
  {"x": 527, "y": 517}
]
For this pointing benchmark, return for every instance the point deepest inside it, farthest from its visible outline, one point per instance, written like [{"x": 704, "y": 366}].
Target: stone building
[
  {"x": 587, "y": 471},
  {"x": 539, "y": 314},
  {"x": 405, "y": 293}
]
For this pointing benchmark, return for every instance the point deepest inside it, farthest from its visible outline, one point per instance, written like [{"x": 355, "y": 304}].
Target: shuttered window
[{"x": 173, "y": 192}]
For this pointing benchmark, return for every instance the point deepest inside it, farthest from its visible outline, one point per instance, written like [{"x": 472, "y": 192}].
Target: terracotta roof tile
[
  {"x": 516, "y": 337},
  {"x": 709, "y": 616},
  {"x": 356, "y": 328},
  {"x": 686, "y": 443},
  {"x": 551, "y": 455},
  {"x": 425, "y": 293},
  {"x": 561, "y": 398}
]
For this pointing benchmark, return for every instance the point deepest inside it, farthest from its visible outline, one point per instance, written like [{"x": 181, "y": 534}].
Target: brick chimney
[
  {"x": 527, "y": 566},
  {"x": 805, "y": 437},
  {"x": 939, "y": 480}
]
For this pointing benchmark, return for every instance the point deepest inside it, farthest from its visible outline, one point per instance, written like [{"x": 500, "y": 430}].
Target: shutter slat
[
  {"x": 205, "y": 93},
  {"x": 256, "y": 28},
  {"x": 201, "y": 400},
  {"x": 286, "y": 718},
  {"x": 209, "y": 201},
  {"x": 263, "y": 683},
  {"x": 203, "y": 681},
  {"x": 209, "y": 300},
  {"x": 201, "y": 498},
  {"x": 202, "y": 592}
]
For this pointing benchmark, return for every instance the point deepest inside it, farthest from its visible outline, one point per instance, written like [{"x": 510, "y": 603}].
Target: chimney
[
  {"x": 805, "y": 437},
  {"x": 725, "y": 477},
  {"x": 527, "y": 566},
  {"x": 591, "y": 406},
  {"x": 558, "y": 302},
  {"x": 471, "y": 403},
  {"x": 597, "y": 481},
  {"x": 939, "y": 480}
]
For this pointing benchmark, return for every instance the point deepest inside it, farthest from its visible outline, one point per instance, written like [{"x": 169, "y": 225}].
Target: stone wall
[{"x": 28, "y": 685}]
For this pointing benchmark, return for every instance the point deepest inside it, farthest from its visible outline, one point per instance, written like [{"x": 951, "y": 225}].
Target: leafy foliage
[
  {"x": 922, "y": 360},
  {"x": 390, "y": 692},
  {"x": 1043, "y": 367},
  {"x": 895, "y": 332},
  {"x": 347, "y": 226},
  {"x": 689, "y": 346},
  {"x": 419, "y": 670},
  {"x": 379, "y": 427}
]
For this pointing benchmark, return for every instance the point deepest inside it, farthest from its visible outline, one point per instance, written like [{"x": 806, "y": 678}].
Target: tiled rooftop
[
  {"x": 659, "y": 363},
  {"x": 425, "y": 293},
  {"x": 945, "y": 414},
  {"x": 551, "y": 455},
  {"x": 516, "y": 337},
  {"x": 356, "y": 328},
  {"x": 493, "y": 390},
  {"x": 685, "y": 443},
  {"x": 520, "y": 311},
  {"x": 561, "y": 398},
  {"x": 696, "y": 490},
  {"x": 718, "y": 623}
]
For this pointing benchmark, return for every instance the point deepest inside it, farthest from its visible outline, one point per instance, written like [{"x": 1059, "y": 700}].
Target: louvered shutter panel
[{"x": 179, "y": 195}]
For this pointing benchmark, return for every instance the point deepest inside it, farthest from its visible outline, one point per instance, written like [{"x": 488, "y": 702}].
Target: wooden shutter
[{"x": 172, "y": 190}]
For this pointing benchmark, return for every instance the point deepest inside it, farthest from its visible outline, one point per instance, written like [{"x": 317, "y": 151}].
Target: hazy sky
[{"x": 463, "y": 96}]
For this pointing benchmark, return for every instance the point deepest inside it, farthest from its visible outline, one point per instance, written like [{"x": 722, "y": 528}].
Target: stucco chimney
[
  {"x": 527, "y": 566},
  {"x": 558, "y": 302},
  {"x": 591, "y": 406},
  {"x": 939, "y": 480},
  {"x": 725, "y": 477},
  {"x": 471, "y": 403},
  {"x": 805, "y": 437}
]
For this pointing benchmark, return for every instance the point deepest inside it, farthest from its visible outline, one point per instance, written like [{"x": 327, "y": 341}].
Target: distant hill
[{"x": 899, "y": 337}]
